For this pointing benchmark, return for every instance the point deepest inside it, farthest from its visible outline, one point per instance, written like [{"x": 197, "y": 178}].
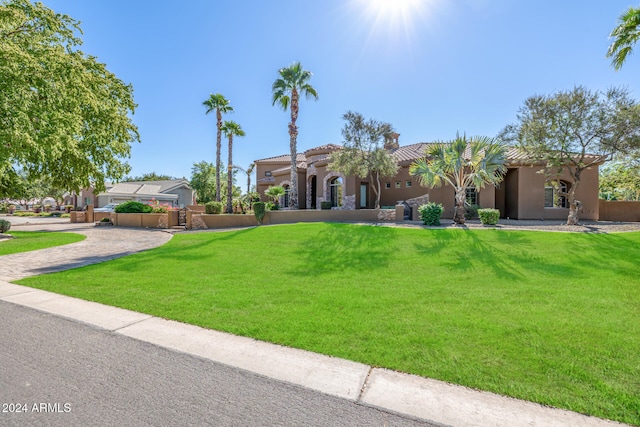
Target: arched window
[
  {"x": 555, "y": 194},
  {"x": 286, "y": 198},
  {"x": 335, "y": 186}
]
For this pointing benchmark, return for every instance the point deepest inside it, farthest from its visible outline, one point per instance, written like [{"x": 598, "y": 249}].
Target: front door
[{"x": 364, "y": 189}]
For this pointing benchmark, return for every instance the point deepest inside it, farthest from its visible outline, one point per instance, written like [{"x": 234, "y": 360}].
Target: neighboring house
[
  {"x": 176, "y": 193},
  {"x": 523, "y": 194}
]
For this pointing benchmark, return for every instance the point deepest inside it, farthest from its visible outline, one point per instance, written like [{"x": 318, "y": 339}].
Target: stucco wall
[
  {"x": 619, "y": 211},
  {"x": 530, "y": 198}
]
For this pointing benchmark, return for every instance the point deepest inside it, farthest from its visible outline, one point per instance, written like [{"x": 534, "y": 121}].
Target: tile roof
[{"x": 409, "y": 153}]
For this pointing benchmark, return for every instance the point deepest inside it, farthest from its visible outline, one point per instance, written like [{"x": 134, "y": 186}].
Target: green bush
[
  {"x": 325, "y": 205},
  {"x": 4, "y": 207},
  {"x": 489, "y": 216},
  {"x": 270, "y": 206},
  {"x": 213, "y": 208},
  {"x": 4, "y": 225},
  {"x": 430, "y": 213},
  {"x": 471, "y": 211},
  {"x": 259, "y": 210},
  {"x": 133, "y": 207}
]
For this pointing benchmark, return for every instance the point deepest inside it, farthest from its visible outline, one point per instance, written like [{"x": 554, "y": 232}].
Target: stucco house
[
  {"x": 176, "y": 193},
  {"x": 523, "y": 194}
]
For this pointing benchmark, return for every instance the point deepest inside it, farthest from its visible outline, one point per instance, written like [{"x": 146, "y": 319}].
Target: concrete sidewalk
[{"x": 423, "y": 398}]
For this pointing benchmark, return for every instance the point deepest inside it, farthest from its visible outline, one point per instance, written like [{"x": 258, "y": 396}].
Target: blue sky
[{"x": 428, "y": 67}]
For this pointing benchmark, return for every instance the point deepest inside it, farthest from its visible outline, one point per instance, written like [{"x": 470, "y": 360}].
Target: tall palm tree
[
  {"x": 292, "y": 82},
  {"x": 249, "y": 171},
  {"x": 461, "y": 163},
  {"x": 219, "y": 104},
  {"x": 230, "y": 129},
  {"x": 625, "y": 35}
]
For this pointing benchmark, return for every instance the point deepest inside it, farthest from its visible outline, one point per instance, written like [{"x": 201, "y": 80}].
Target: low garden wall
[
  {"x": 197, "y": 220},
  {"x": 610, "y": 210}
]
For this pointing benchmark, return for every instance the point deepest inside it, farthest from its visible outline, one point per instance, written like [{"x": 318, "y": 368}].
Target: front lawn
[
  {"x": 548, "y": 317},
  {"x": 25, "y": 241}
]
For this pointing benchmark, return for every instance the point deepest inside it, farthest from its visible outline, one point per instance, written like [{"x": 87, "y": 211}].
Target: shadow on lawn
[
  {"x": 507, "y": 254},
  {"x": 342, "y": 247}
]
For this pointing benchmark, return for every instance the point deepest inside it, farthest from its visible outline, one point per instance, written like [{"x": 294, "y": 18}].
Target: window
[
  {"x": 387, "y": 185},
  {"x": 267, "y": 173},
  {"x": 397, "y": 184},
  {"x": 408, "y": 184},
  {"x": 335, "y": 187},
  {"x": 286, "y": 198},
  {"x": 554, "y": 194},
  {"x": 472, "y": 196}
]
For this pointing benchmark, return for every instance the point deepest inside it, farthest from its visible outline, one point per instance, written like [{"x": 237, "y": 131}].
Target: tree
[
  {"x": 231, "y": 129},
  {"x": 363, "y": 152},
  {"x": 625, "y": 36},
  {"x": 274, "y": 193},
  {"x": 203, "y": 181},
  {"x": 575, "y": 130},
  {"x": 219, "y": 104},
  {"x": 620, "y": 180},
  {"x": 292, "y": 82},
  {"x": 461, "y": 163},
  {"x": 63, "y": 116},
  {"x": 152, "y": 176},
  {"x": 249, "y": 171}
]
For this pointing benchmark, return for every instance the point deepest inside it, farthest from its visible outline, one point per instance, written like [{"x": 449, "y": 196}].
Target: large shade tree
[
  {"x": 625, "y": 36},
  {"x": 63, "y": 116},
  {"x": 363, "y": 153},
  {"x": 574, "y": 130},
  {"x": 231, "y": 129},
  {"x": 462, "y": 163},
  {"x": 293, "y": 82},
  {"x": 219, "y": 104}
]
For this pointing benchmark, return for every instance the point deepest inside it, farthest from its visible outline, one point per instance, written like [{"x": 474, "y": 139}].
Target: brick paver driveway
[{"x": 101, "y": 244}]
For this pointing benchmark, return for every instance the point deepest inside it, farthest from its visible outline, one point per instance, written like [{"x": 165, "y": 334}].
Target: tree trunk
[
  {"x": 218, "y": 150},
  {"x": 458, "y": 210},
  {"x": 574, "y": 205},
  {"x": 293, "y": 137},
  {"x": 230, "y": 177},
  {"x": 377, "y": 190}
]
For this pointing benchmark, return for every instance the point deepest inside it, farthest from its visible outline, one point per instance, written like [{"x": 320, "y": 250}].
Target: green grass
[
  {"x": 548, "y": 317},
  {"x": 25, "y": 241}
]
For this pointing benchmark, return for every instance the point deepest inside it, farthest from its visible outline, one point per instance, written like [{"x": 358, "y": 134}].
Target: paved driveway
[{"x": 102, "y": 243}]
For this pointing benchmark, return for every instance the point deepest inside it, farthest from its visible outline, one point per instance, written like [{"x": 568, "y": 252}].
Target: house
[
  {"x": 524, "y": 193},
  {"x": 176, "y": 193}
]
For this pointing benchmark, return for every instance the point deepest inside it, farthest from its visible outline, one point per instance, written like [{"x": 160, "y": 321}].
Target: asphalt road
[{"x": 58, "y": 372}]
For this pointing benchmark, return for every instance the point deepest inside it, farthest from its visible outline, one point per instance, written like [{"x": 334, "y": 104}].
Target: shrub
[
  {"x": 430, "y": 213},
  {"x": 471, "y": 211},
  {"x": 105, "y": 219},
  {"x": 489, "y": 216},
  {"x": 211, "y": 208},
  {"x": 4, "y": 225},
  {"x": 4, "y": 207},
  {"x": 270, "y": 206},
  {"x": 325, "y": 205},
  {"x": 133, "y": 207},
  {"x": 259, "y": 210}
]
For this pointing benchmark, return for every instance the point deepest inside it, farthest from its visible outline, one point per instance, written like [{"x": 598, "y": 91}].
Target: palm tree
[
  {"x": 286, "y": 90},
  {"x": 249, "y": 171},
  {"x": 274, "y": 193},
  {"x": 625, "y": 35},
  {"x": 230, "y": 129},
  {"x": 461, "y": 163},
  {"x": 219, "y": 104}
]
